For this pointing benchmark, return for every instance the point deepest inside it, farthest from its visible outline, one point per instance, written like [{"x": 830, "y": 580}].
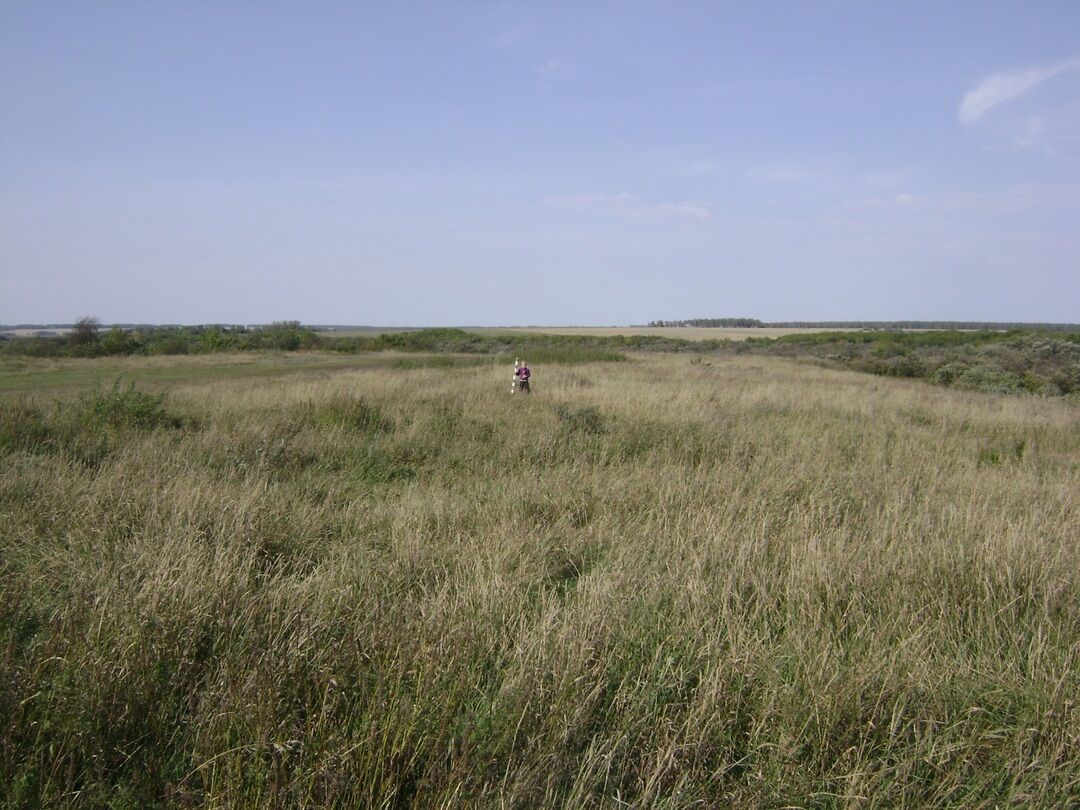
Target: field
[
  {"x": 35, "y": 377},
  {"x": 675, "y": 581}
]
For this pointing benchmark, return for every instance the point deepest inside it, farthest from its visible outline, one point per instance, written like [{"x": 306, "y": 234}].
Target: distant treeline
[
  {"x": 88, "y": 339},
  {"x": 752, "y": 323},
  {"x": 730, "y": 323},
  {"x": 894, "y": 325}
]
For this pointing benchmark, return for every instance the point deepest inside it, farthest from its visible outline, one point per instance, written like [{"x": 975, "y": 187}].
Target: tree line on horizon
[{"x": 754, "y": 323}]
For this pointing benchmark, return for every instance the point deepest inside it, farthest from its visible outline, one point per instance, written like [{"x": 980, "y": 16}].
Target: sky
[{"x": 577, "y": 163}]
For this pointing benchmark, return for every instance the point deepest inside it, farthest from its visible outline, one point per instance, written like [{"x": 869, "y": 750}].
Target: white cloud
[
  {"x": 1003, "y": 87},
  {"x": 628, "y": 205}
]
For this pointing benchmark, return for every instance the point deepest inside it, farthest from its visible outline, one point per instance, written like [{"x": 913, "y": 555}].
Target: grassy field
[
  {"x": 668, "y": 582},
  {"x": 35, "y": 377}
]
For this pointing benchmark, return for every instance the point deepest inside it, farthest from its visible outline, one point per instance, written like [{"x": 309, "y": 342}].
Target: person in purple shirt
[{"x": 523, "y": 375}]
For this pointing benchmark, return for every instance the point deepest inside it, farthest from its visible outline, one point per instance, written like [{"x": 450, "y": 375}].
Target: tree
[{"x": 85, "y": 331}]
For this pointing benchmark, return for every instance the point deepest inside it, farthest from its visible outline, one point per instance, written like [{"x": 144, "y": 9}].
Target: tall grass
[{"x": 653, "y": 583}]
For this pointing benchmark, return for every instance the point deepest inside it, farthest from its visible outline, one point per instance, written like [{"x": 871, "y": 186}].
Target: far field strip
[{"x": 684, "y": 332}]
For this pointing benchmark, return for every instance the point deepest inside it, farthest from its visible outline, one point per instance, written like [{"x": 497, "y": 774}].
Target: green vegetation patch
[
  {"x": 89, "y": 428},
  {"x": 350, "y": 412},
  {"x": 124, "y": 407}
]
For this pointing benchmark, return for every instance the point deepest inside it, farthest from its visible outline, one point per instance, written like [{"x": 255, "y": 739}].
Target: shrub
[
  {"x": 896, "y": 366},
  {"x": 125, "y": 407},
  {"x": 214, "y": 340},
  {"x": 117, "y": 341},
  {"x": 168, "y": 341},
  {"x": 991, "y": 379},
  {"x": 948, "y": 373}
]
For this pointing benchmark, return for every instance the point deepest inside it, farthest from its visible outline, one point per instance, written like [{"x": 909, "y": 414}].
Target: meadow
[{"x": 674, "y": 581}]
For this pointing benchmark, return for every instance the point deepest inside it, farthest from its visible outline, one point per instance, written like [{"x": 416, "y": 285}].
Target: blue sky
[{"x": 539, "y": 163}]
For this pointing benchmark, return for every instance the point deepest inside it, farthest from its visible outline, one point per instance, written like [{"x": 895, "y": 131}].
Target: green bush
[
  {"x": 948, "y": 373},
  {"x": 991, "y": 379},
  {"x": 903, "y": 365},
  {"x": 116, "y": 341},
  {"x": 168, "y": 342},
  {"x": 214, "y": 340},
  {"x": 125, "y": 407}
]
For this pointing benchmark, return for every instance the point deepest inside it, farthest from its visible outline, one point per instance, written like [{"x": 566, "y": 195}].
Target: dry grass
[{"x": 658, "y": 584}]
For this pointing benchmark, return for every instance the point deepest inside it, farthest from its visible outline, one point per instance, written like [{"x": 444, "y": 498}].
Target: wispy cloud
[
  {"x": 628, "y": 205},
  {"x": 1004, "y": 87}
]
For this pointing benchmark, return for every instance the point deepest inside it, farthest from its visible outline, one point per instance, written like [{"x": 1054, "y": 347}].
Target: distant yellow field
[{"x": 684, "y": 332}]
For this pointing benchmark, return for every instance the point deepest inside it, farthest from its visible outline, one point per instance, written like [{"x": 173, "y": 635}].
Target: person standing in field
[{"x": 523, "y": 375}]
